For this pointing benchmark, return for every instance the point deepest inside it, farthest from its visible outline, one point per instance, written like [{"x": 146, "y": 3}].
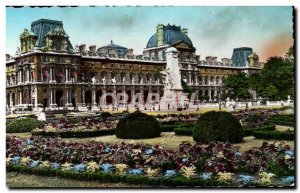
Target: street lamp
[{"x": 220, "y": 88}]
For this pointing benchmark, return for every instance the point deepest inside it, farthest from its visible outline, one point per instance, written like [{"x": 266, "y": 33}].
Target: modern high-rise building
[{"x": 49, "y": 72}]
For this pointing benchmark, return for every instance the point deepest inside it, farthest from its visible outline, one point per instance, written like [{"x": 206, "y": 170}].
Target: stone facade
[{"x": 48, "y": 73}]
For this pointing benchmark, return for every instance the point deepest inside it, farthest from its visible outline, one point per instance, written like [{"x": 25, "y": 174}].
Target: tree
[
  {"x": 290, "y": 55},
  {"x": 278, "y": 73},
  {"x": 271, "y": 92},
  {"x": 187, "y": 89},
  {"x": 239, "y": 85}
]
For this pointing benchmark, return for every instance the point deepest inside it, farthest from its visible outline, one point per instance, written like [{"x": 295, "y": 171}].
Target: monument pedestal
[{"x": 173, "y": 100}]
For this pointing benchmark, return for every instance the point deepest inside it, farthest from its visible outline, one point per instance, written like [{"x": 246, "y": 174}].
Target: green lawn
[
  {"x": 17, "y": 180},
  {"x": 167, "y": 140}
]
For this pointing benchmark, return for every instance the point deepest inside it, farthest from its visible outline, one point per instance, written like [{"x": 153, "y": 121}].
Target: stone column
[
  {"x": 20, "y": 97},
  {"x": 51, "y": 96},
  {"x": 125, "y": 99},
  {"x": 54, "y": 97},
  {"x": 196, "y": 78},
  {"x": 132, "y": 96},
  {"x": 28, "y": 74},
  {"x": 209, "y": 93},
  {"x": 142, "y": 96},
  {"x": 67, "y": 79},
  {"x": 10, "y": 100},
  {"x": 83, "y": 97},
  {"x": 215, "y": 93},
  {"x": 51, "y": 74},
  {"x": 190, "y": 78},
  {"x": 104, "y": 95},
  {"x": 94, "y": 97},
  {"x": 114, "y": 97}
]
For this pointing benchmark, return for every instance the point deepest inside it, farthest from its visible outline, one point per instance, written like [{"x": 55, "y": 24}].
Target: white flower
[
  {"x": 121, "y": 168},
  {"x": 224, "y": 176},
  {"x": 92, "y": 166},
  {"x": 220, "y": 155},
  {"x": 266, "y": 178},
  {"x": 150, "y": 172},
  {"x": 45, "y": 164},
  {"x": 66, "y": 166},
  {"x": 25, "y": 161},
  {"x": 188, "y": 172}
]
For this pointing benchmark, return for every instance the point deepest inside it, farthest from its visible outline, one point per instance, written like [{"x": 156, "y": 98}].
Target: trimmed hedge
[
  {"x": 274, "y": 135},
  {"x": 167, "y": 128},
  {"x": 105, "y": 115},
  {"x": 138, "y": 125},
  {"x": 287, "y": 120},
  {"x": 188, "y": 131},
  {"x": 215, "y": 126},
  {"x": 268, "y": 127},
  {"x": 74, "y": 120},
  {"x": 22, "y": 125},
  {"x": 72, "y": 134},
  {"x": 173, "y": 126},
  {"x": 114, "y": 178}
]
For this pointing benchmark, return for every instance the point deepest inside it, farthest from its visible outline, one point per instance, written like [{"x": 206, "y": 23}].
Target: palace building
[{"x": 49, "y": 72}]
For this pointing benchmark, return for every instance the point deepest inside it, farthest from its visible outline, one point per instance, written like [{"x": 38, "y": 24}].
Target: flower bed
[
  {"x": 213, "y": 164},
  {"x": 287, "y": 120},
  {"x": 274, "y": 135},
  {"x": 172, "y": 118},
  {"x": 86, "y": 127}
]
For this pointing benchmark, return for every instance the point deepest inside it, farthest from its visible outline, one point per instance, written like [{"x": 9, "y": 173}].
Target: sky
[{"x": 214, "y": 31}]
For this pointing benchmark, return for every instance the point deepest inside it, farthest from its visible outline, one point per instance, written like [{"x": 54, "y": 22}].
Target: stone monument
[{"x": 173, "y": 97}]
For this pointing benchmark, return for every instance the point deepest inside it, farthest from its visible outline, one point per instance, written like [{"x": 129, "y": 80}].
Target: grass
[
  {"x": 284, "y": 128},
  {"x": 168, "y": 140},
  {"x": 17, "y": 180}
]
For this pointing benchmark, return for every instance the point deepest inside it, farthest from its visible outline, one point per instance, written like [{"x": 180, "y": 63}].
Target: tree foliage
[
  {"x": 239, "y": 85},
  {"x": 275, "y": 82}
]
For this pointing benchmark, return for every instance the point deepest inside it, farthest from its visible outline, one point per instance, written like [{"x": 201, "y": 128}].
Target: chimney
[
  {"x": 101, "y": 51},
  {"x": 208, "y": 58},
  {"x": 130, "y": 52},
  {"x": 184, "y": 30},
  {"x": 160, "y": 34},
  {"x": 214, "y": 59},
  {"x": 92, "y": 50},
  {"x": 224, "y": 60},
  {"x": 8, "y": 57},
  {"x": 82, "y": 48},
  {"x": 112, "y": 52}
]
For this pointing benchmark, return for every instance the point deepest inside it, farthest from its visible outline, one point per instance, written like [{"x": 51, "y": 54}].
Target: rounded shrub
[
  {"x": 22, "y": 125},
  {"x": 137, "y": 125},
  {"x": 218, "y": 126},
  {"x": 105, "y": 115}
]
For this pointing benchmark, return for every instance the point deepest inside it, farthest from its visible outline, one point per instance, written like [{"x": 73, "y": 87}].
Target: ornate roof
[
  {"x": 171, "y": 35},
  {"x": 112, "y": 45},
  {"x": 44, "y": 27},
  {"x": 27, "y": 33},
  {"x": 57, "y": 32}
]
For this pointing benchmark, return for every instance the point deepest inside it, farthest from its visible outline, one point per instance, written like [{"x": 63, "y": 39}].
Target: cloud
[{"x": 277, "y": 46}]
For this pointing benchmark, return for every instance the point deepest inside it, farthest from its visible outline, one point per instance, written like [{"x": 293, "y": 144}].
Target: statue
[
  {"x": 103, "y": 80},
  {"x": 18, "y": 52},
  {"x": 76, "y": 48},
  {"x": 93, "y": 80},
  {"x": 132, "y": 80},
  {"x": 113, "y": 80}
]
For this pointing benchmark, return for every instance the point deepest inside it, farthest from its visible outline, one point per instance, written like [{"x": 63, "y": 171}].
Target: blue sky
[{"x": 213, "y": 30}]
